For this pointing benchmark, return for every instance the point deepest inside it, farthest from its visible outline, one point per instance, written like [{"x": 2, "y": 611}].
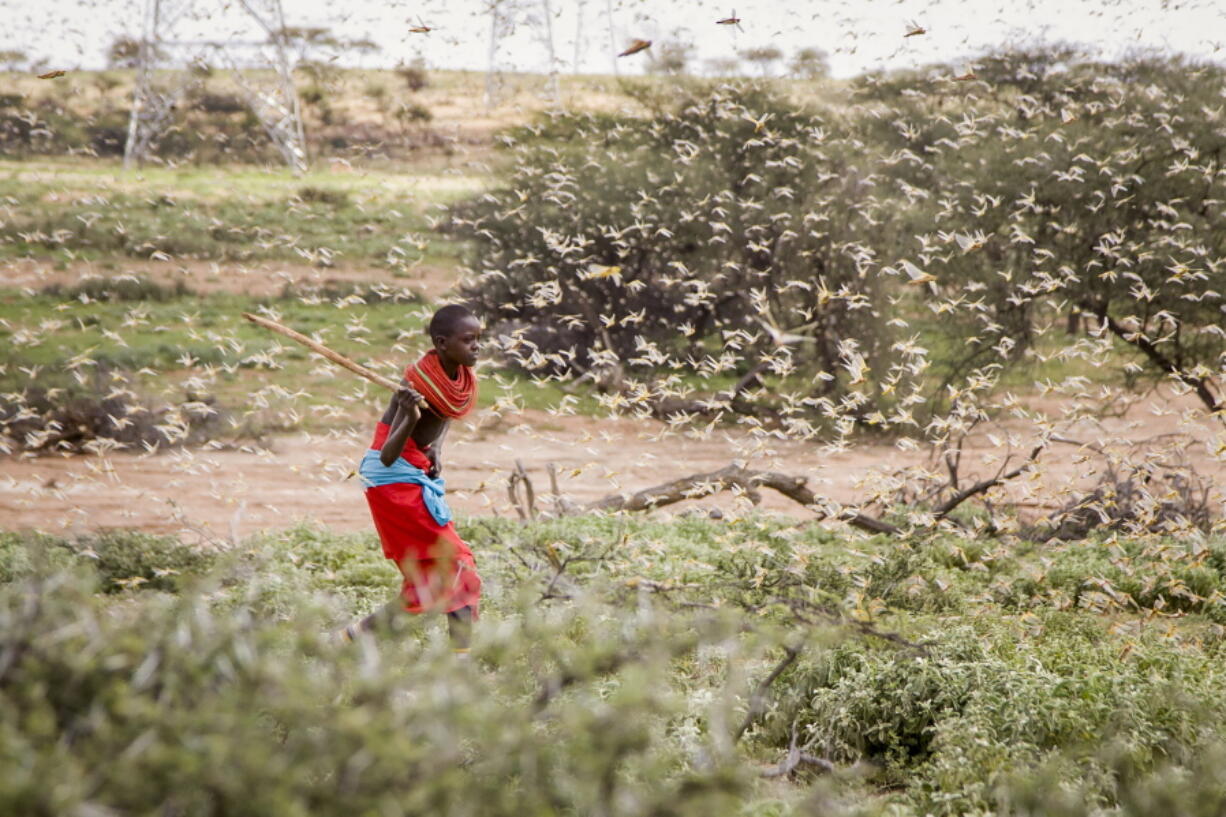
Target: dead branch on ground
[
  {"x": 957, "y": 499},
  {"x": 524, "y": 505},
  {"x": 735, "y": 476}
]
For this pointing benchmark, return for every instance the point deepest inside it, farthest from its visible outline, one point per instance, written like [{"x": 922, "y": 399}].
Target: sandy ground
[{"x": 222, "y": 495}]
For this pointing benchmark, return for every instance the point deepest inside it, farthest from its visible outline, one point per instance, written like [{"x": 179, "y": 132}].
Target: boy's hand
[
  {"x": 407, "y": 398},
  {"x": 436, "y": 467}
]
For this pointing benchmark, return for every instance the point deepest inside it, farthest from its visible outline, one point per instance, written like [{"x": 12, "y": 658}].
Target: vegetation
[
  {"x": 597, "y": 254},
  {"x": 620, "y": 666},
  {"x": 808, "y": 263},
  {"x": 86, "y": 113},
  {"x": 243, "y": 214},
  {"x": 936, "y": 235}
]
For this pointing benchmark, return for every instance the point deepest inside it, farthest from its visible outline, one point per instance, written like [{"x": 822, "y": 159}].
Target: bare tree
[
  {"x": 549, "y": 50},
  {"x": 491, "y": 75},
  {"x": 579, "y": 4},
  {"x": 612, "y": 38}
]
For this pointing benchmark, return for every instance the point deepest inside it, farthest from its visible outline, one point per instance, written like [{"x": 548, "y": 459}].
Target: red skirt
[{"x": 440, "y": 574}]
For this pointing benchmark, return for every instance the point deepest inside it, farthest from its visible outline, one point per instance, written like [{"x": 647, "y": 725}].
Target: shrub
[
  {"x": 169, "y": 704},
  {"x": 210, "y": 102},
  {"x": 414, "y": 112},
  {"x": 119, "y": 559},
  {"x": 120, "y": 288},
  {"x": 323, "y": 195},
  {"x": 313, "y": 95},
  {"x": 991, "y": 696},
  {"x": 99, "y": 417},
  {"x": 414, "y": 75},
  {"x": 679, "y": 243}
]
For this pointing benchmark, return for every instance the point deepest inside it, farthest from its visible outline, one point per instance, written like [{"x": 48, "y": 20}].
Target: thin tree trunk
[
  {"x": 612, "y": 38},
  {"x": 493, "y": 53},
  {"x": 553, "y": 57},
  {"x": 574, "y": 68}
]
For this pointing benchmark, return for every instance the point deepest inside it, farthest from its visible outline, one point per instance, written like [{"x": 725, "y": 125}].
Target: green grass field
[
  {"x": 94, "y": 217},
  {"x": 64, "y": 211}
]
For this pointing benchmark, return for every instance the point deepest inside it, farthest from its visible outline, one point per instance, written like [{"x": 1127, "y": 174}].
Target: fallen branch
[
  {"x": 734, "y": 476},
  {"x": 525, "y": 506},
  {"x": 562, "y": 506}
]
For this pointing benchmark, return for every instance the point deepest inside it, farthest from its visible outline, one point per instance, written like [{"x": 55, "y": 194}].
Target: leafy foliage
[
  {"x": 909, "y": 250},
  {"x": 683, "y": 244},
  {"x": 614, "y": 660}
]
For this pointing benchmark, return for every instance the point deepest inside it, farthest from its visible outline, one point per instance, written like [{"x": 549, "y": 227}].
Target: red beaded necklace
[{"x": 449, "y": 398}]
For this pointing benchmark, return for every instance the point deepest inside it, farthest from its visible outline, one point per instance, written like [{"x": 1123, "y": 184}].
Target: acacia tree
[
  {"x": 124, "y": 52},
  {"x": 810, "y": 63},
  {"x": 12, "y": 59},
  {"x": 714, "y": 236},
  {"x": 670, "y": 57},
  {"x": 764, "y": 57},
  {"x": 311, "y": 42}
]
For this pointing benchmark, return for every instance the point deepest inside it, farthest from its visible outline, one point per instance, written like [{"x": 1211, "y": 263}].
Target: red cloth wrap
[{"x": 439, "y": 570}]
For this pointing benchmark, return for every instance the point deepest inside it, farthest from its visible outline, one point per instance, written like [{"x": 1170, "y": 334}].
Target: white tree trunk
[
  {"x": 574, "y": 67},
  {"x": 549, "y": 50},
  {"x": 490, "y": 75},
  {"x": 612, "y": 38}
]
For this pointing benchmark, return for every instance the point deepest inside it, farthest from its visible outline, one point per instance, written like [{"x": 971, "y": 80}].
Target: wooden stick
[{"x": 340, "y": 360}]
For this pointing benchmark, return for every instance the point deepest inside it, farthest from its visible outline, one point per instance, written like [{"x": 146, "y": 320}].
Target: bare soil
[{"x": 228, "y": 494}]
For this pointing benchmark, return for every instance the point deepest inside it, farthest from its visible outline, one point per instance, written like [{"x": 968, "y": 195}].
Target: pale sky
[{"x": 858, "y": 36}]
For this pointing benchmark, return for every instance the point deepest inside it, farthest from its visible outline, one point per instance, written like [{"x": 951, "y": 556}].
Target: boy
[{"x": 404, "y": 489}]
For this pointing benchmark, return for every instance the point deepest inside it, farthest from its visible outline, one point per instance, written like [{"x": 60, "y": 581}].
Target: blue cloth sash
[{"x": 374, "y": 473}]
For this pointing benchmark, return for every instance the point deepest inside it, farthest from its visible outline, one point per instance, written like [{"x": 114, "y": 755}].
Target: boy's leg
[
  {"x": 460, "y": 628},
  {"x": 374, "y": 621}
]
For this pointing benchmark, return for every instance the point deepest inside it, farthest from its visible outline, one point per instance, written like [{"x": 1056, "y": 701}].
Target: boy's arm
[{"x": 402, "y": 424}]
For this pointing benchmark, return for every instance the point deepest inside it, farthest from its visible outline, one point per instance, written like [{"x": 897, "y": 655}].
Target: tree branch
[
  {"x": 757, "y": 701},
  {"x": 979, "y": 487},
  {"x": 700, "y": 485},
  {"x": 795, "y": 758},
  {"x": 1139, "y": 340}
]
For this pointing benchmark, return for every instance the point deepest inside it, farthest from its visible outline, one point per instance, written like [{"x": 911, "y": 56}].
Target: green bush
[
  {"x": 614, "y": 661},
  {"x": 414, "y": 112},
  {"x": 653, "y": 244},
  {"x": 323, "y": 195},
  {"x": 167, "y": 705},
  {"x": 120, "y": 288},
  {"x": 119, "y": 559},
  {"x": 989, "y": 696},
  {"x": 99, "y": 415}
]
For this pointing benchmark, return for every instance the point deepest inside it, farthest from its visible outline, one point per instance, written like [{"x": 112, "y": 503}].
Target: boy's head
[{"x": 456, "y": 334}]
